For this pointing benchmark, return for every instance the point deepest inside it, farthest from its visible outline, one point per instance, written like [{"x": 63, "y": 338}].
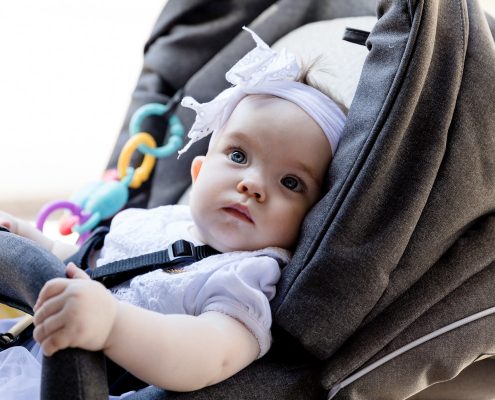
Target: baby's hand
[
  {"x": 9, "y": 221},
  {"x": 75, "y": 312}
]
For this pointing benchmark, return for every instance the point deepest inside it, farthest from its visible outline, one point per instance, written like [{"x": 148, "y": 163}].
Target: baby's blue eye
[
  {"x": 238, "y": 157},
  {"x": 292, "y": 183}
]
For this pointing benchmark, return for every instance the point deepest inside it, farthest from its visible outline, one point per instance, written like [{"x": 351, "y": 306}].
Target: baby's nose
[{"x": 252, "y": 189}]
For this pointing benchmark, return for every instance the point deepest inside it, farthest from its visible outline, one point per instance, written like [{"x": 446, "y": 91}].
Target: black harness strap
[
  {"x": 357, "y": 36},
  {"x": 94, "y": 242},
  {"x": 177, "y": 255}
]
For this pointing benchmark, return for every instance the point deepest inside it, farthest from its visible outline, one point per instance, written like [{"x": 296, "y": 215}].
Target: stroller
[{"x": 392, "y": 285}]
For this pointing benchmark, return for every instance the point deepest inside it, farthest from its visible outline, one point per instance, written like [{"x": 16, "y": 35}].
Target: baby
[{"x": 273, "y": 139}]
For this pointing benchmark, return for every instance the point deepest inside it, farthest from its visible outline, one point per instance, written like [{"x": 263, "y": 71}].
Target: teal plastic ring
[{"x": 176, "y": 129}]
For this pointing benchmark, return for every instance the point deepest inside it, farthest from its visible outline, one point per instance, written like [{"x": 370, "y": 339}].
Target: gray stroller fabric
[
  {"x": 24, "y": 268},
  {"x": 406, "y": 245},
  {"x": 402, "y": 244}
]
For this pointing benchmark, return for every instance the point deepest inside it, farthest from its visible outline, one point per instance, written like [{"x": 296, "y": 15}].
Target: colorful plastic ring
[
  {"x": 142, "y": 173},
  {"x": 74, "y": 208},
  {"x": 176, "y": 130}
]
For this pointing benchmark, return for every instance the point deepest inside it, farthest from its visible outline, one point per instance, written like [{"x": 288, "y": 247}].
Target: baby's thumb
[
  {"x": 74, "y": 272},
  {"x": 8, "y": 221},
  {"x": 6, "y": 224}
]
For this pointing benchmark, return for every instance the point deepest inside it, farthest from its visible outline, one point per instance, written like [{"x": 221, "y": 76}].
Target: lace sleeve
[{"x": 243, "y": 291}]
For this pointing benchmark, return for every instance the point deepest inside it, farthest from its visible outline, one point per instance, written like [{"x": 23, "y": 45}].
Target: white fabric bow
[
  {"x": 260, "y": 65},
  {"x": 264, "y": 71}
]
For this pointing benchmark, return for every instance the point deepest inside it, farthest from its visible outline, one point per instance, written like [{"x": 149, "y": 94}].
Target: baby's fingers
[
  {"x": 56, "y": 341},
  {"x": 8, "y": 221},
  {"x": 74, "y": 272},
  {"x": 48, "y": 327},
  {"x": 6, "y": 224},
  {"x": 48, "y": 308},
  {"x": 51, "y": 288}
]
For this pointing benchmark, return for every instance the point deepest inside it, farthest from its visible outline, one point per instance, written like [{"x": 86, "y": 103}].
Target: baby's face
[{"x": 260, "y": 177}]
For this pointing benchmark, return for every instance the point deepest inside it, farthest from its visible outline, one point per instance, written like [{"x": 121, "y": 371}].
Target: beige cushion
[{"x": 341, "y": 61}]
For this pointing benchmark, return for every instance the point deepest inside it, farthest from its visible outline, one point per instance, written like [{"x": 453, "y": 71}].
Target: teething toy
[{"x": 101, "y": 200}]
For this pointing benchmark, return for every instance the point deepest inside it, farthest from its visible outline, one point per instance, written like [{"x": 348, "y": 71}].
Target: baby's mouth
[{"x": 239, "y": 211}]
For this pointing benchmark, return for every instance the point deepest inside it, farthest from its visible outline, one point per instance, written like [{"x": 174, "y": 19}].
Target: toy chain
[{"x": 101, "y": 200}]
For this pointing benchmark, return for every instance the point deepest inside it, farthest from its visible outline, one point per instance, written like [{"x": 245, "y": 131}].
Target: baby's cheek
[{"x": 287, "y": 232}]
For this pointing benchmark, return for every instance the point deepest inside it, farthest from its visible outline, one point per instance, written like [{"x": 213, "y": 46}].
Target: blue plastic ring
[{"x": 175, "y": 140}]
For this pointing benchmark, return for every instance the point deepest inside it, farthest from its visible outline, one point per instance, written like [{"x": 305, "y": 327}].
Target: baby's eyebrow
[
  {"x": 300, "y": 166},
  {"x": 239, "y": 136},
  {"x": 245, "y": 140}
]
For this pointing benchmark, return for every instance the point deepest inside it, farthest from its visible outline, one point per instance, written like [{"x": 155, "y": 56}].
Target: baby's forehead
[
  {"x": 276, "y": 128},
  {"x": 255, "y": 102},
  {"x": 308, "y": 151}
]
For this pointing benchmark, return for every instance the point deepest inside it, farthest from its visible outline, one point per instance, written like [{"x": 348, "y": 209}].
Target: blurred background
[
  {"x": 66, "y": 62},
  {"x": 67, "y": 71}
]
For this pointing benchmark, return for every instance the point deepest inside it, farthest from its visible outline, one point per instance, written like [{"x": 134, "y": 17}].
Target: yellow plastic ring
[{"x": 143, "y": 172}]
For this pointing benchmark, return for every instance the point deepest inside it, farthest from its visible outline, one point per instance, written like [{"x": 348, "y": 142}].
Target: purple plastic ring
[{"x": 74, "y": 208}]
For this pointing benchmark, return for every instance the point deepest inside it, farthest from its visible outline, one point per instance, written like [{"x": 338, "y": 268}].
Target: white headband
[{"x": 264, "y": 71}]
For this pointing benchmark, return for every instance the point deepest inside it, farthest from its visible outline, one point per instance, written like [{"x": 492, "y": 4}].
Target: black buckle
[
  {"x": 179, "y": 250},
  {"x": 9, "y": 339},
  {"x": 6, "y": 339}
]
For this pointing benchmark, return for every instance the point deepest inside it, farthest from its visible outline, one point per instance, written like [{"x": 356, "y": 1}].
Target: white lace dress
[{"x": 239, "y": 284}]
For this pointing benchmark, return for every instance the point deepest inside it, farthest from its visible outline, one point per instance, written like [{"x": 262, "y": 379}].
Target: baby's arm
[
  {"x": 180, "y": 352},
  {"x": 176, "y": 352},
  {"x": 25, "y": 229}
]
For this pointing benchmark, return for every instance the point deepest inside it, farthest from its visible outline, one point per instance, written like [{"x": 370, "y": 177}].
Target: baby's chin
[
  {"x": 229, "y": 246},
  {"x": 226, "y": 245}
]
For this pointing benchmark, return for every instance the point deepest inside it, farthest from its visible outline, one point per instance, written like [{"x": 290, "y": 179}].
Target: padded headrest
[{"x": 341, "y": 62}]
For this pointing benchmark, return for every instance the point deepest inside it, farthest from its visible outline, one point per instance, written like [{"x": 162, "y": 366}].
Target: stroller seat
[{"x": 403, "y": 242}]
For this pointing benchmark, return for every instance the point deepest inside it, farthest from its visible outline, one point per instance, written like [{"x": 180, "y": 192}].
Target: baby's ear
[{"x": 196, "y": 165}]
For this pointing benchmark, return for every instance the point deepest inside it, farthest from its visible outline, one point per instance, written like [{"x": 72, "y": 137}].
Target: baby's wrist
[{"x": 117, "y": 310}]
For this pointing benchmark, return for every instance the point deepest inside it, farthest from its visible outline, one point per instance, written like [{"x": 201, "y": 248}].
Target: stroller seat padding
[
  {"x": 24, "y": 268},
  {"x": 25, "y": 272},
  {"x": 339, "y": 62}
]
